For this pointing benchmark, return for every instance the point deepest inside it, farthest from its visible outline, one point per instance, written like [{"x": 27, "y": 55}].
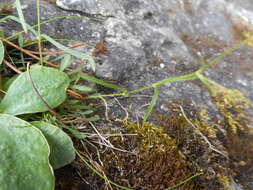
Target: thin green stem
[
  {"x": 186, "y": 77},
  {"x": 106, "y": 95},
  {"x": 151, "y": 105},
  {"x": 185, "y": 181},
  {"x": 205, "y": 81},
  {"x": 224, "y": 54}
]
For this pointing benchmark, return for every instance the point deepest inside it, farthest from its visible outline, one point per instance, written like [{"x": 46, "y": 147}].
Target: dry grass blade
[
  {"x": 202, "y": 135},
  {"x": 30, "y": 54},
  {"x": 12, "y": 66}
]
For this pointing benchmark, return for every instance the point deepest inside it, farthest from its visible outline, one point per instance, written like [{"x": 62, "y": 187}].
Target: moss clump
[
  {"x": 234, "y": 106},
  {"x": 200, "y": 157},
  {"x": 224, "y": 180},
  {"x": 157, "y": 164},
  {"x": 237, "y": 112}
]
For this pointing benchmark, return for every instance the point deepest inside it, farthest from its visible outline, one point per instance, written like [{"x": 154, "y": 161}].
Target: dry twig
[
  {"x": 202, "y": 135},
  {"x": 11, "y": 66}
]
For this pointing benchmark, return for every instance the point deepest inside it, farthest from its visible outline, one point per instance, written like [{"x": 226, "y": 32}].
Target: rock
[{"x": 142, "y": 35}]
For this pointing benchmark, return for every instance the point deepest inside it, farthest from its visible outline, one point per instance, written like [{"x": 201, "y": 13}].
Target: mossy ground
[
  {"x": 237, "y": 111},
  {"x": 180, "y": 145}
]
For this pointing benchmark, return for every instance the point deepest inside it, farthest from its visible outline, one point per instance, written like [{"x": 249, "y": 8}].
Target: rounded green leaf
[
  {"x": 24, "y": 156},
  {"x": 62, "y": 151},
  {"x": 21, "y": 97}
]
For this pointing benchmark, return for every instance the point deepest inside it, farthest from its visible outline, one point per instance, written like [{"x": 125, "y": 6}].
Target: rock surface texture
[{"x": 150, "y": 40}]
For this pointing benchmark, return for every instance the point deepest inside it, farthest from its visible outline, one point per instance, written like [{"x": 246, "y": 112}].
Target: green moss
[
  {"x": 224, "y": 180},
  {"x": 153, "y": 139},
  {"x": 157, "y": 164},
  {"x": 237, "y": 112},
  {"x": 234, "y": 106}
]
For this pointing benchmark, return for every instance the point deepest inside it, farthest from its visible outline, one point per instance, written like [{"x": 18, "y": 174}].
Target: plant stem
[
  {"x": 224, "y": 54},
  {"x": 186, "y": 77},
  {"x": 26, "y": 52},
  {"x": 106, "y": 95},
  {"x": 183, "y": 182}
]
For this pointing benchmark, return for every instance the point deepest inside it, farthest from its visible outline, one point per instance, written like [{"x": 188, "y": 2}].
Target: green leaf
[
  {"x": 101, "y": 82},
  {"x": 87, "y": 112},
  {"x": 71, "y": 51},
  {"x": 67, "y": 60},
  {"x": 77, "y": 134},
  {"x": 82, "y": 88},
  {"x": 77, "y": 70},
  {"x": 152, "y": 104},
  {"x": 21, "y": 44},
  {"x": 1, "y": 31},
  {"x": 21, "y": 40},
  {"x": 94, "y": 118},
  {"x": 24, "y": 157},
  {"x": 62, "y": 151},
  {"x": 1, "y": 52},
  {"x": 21, "y": 97},
  {"x": 20, "y": 15},
  {"x": 83, "y": 112}
]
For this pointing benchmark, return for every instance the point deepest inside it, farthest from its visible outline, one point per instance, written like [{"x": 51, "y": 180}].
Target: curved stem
[
  {"x": 186, "y": 77},
  {"x": 224, "y": 54}
]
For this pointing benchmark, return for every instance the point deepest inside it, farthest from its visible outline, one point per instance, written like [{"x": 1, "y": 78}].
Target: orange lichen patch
[
  {"x": 157, "y": 164},
  {"x": 100, "y": 49},
  {"x": 241, "y": 29},
  {"x": 6, "y": 9}
]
